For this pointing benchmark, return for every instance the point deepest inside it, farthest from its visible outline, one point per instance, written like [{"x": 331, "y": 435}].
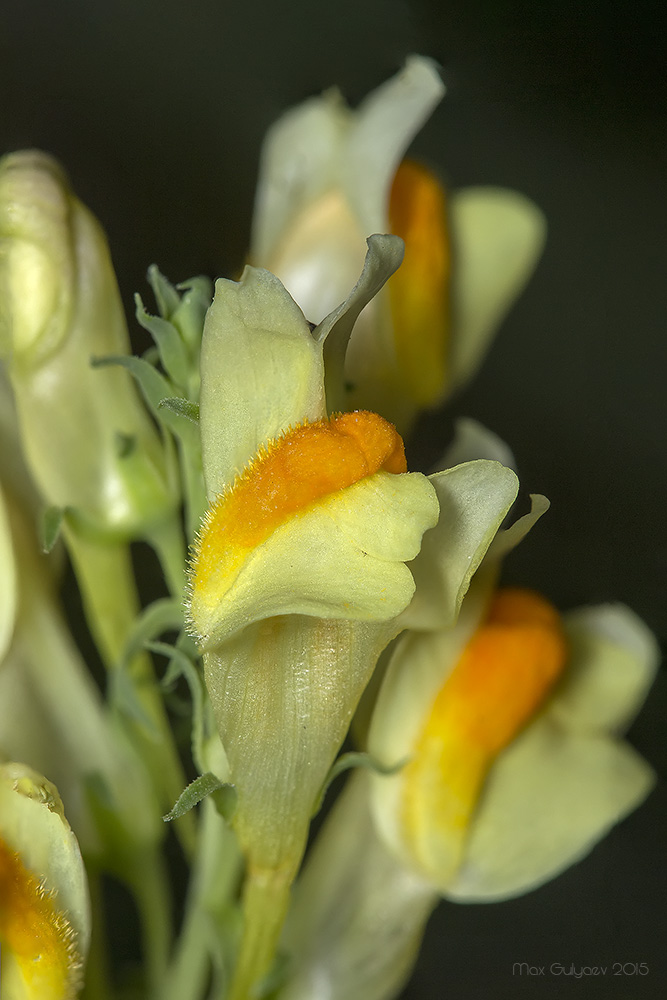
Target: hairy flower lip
[
  {"x": 325, "y": 473},
  {"x": 44, "y": 908},
  {"x": 289, "y": 474}
]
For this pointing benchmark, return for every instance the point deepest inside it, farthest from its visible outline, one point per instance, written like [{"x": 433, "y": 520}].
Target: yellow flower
[
  {"x": 510, "y": 722},
  {"x": 87, "y": 439},
  {"x": 328, "y": 178},
  {"x": 44, "y": 909},
  {"x": 299, "y": 577}
]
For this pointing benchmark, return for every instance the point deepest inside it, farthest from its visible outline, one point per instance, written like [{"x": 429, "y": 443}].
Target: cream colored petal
[
  {"x": 498, "y": 237},
  {"x": 320, "y": 255},
  {"x": 299, "y": 162},
  {"x": 32, "y": 824},
  {"x": 343, "y": 557},
  {"x": 613, "y": 660},
  {"x": 474, "y": 500},
  {"x": 472, "y": 441},
  {"x": 381, "y": 131},
  {"x": 548, "y": 800},
  {"x": 357, "y": 916},
  {"x": 262, "y": 373},
  {"x": 384, "y": 257},
  {"x": 508, "y": 538}
]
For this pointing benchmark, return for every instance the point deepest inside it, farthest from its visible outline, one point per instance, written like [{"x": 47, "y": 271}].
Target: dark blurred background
[{"x": 158, "y": 109}]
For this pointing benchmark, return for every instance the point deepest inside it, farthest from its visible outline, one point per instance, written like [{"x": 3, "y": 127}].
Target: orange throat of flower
[
  {"x": 292, "y": 473},
  {"x": 420, "y": 292},
  {"x": 500, "y": 681},
  {"x": 38, "y": 942}
]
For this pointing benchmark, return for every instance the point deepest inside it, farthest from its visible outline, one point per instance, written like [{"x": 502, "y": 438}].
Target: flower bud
[
  {"x": 88, "y": 441},
  {"x": 44, "y": 908}
]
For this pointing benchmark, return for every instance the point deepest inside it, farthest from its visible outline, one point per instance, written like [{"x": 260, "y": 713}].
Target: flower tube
[
  {"x": 328, "y": 178},
  {"x": 44, "y": 910},
  {"x": 299, "y": 574}
]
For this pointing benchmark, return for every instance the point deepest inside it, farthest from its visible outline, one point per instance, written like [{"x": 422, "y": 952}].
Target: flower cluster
[{"x": 330, "y": 593}]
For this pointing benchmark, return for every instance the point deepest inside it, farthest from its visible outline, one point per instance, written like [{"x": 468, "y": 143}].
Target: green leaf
[
  {"x": 189, "y": 317},
  {"x": 182, "y": 665},
  {"x": 191, "y": 796},
  {"x": 182, "y": 407},
  {"x": 350, "y": 760},
  {"x": 52, "y": 520},
  {"x": 153, "y": 385},
  {"x": 166, "y": 296},
  {"x": 173, "y": 352},
  {"x": 125, "y": 700},
  {"x": 163, "y": 615}
]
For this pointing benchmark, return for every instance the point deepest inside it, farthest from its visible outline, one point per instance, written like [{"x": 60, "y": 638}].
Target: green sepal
[
  {"x": 354, "y": 758},
  {"x": 50, "y": 527},
  {"x": 189, "y": 317},
  {"x": 205, "y": 784},
  {"x": 166, "y": 296},
  {"x": 182, "y": 407}
]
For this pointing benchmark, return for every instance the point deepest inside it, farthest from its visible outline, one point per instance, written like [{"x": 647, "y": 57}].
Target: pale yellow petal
[
  {"x": 550, "y": 797},
  {"x": 262, "y": 373},
  {"x": 613, "y": 661},
  {"x": 474, "y": 499},
  {"x": 498, "y": 236}
]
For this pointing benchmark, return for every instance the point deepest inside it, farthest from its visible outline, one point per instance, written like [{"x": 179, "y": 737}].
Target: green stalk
[
  {"x": 149, "y": 882},
  {"x": 214, "y": 880},
  {"x": 108, "y": 590},
  {"x": 266, "y": 896}
]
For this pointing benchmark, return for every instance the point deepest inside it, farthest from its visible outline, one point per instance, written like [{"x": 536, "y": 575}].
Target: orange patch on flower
[
  {"x": 291, "y": 473},
  {"x": 35, "y": 934},
  {"x": 420, "y": 289},
  {"x": 499, "y": 683}
]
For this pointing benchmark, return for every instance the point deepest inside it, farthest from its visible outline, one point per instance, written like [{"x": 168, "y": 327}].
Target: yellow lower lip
[{"x": 38, "y": 942}]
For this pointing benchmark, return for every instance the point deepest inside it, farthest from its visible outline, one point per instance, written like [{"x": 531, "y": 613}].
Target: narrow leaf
[
  {"x": 166, "y": 296},
  {"x": 191, "y": 796},
  {"x": 182, "y": 407},
  {"x": 354, "y": 759}
]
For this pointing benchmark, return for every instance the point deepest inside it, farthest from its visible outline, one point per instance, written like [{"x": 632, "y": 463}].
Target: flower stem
[
  {"x": 265, "y": 902},
  {"x": 150, "y": 885},
  {"x": 214, "y": 880}
]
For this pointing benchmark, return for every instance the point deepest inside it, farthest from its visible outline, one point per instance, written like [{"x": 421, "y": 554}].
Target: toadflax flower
[
  {"x": 328, "y": 178},
  {"x": 505, "y": 732},
  {"x": 44, "y": 908},
  {"x": 90, "y": 446},
  {"x": 88, "y": 441},
  {"x": 299, "y": 574}
]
